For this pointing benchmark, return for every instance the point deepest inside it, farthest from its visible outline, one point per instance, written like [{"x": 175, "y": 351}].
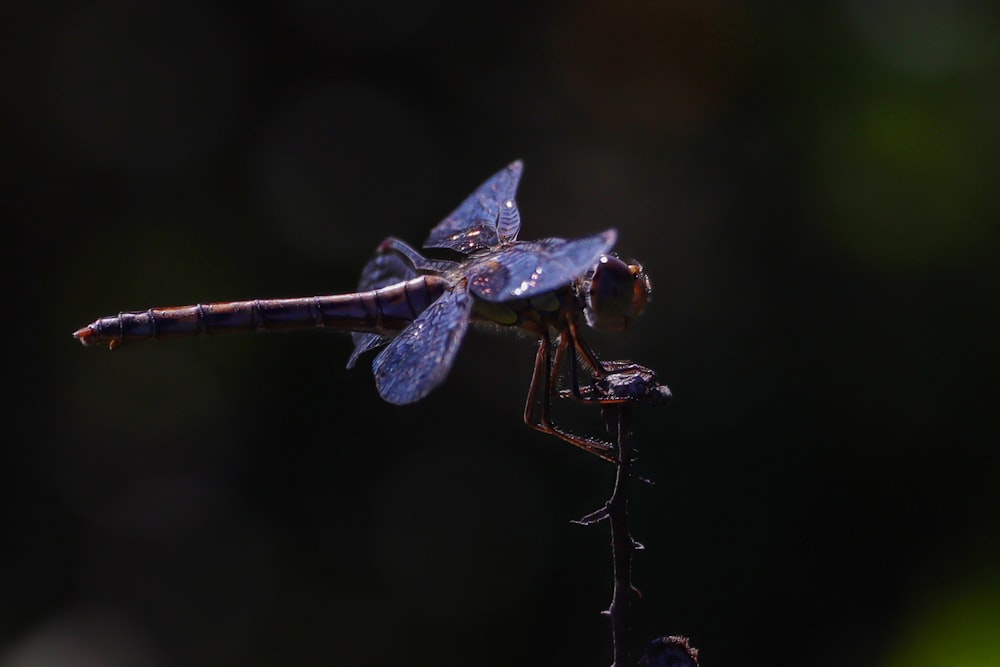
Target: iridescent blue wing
[
  {"x": 381, "y": 270},
  {"x": 530, "y": 268},
  {"x": 419, "y": 358},
  {"x": 486, "y": 218}
]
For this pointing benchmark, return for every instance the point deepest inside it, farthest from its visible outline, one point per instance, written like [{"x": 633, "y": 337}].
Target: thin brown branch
[{"x": 624, "y": 385}]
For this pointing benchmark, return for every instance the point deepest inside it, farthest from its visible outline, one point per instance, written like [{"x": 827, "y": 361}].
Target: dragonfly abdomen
[{"x": 384, "y": 311}]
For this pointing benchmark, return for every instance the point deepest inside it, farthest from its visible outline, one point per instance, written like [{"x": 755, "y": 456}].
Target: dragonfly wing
[
  {"x": 419, "y": 358},
  {"x": 486, "y": 217},
  {"x": 419, "y": 263},
  {"x": 527, "y": 269},
  {"x": 385, "y": 268},
  {"x": 364, "y": 342}
]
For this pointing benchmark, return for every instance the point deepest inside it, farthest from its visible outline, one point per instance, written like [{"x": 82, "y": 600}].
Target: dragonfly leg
[
  {"x": 566, "y": 339},
  {"x": 585, "y": 353},
  {"x": 582, "y": 353},
  {"x": 541, "y": 368},
  {"x": 543, "y": 378},
  {"x": 563, "y": 345}
]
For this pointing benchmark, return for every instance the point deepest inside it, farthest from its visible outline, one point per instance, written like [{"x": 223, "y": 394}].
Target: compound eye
[
  {"x": 611, "y": 286},
  {"x": 616, "y": 295}
]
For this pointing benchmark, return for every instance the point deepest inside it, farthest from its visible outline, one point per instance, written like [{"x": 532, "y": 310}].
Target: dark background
[{"x": 812, "y": 186}]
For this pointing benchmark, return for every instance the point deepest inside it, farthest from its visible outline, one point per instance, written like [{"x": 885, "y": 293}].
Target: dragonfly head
[{"x": 615, "y": 293}]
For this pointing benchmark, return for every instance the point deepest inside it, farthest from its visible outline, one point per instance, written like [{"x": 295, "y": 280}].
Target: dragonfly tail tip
[{"x": 86, "y": 336}]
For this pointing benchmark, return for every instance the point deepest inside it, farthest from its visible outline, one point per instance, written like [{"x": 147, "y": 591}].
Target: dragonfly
[{"x": 417, "y": 309}]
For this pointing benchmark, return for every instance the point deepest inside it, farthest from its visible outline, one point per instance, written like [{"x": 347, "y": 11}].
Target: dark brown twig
[
  {"x": 626, "y": 384},
  {"x": 622, "y": 544}
]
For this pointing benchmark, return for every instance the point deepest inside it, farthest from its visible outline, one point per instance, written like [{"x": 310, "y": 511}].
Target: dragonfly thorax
[
  {"x": 615, "y": 293},
  {"x": 536, "y": 315}
]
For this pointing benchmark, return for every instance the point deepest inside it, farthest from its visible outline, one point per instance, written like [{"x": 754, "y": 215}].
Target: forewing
[
  {"x": 474, "y": 224},
  {"x": 529, "y": 268},
  {"x": 381, "y": 270},
  {"x": 419, "y": 358}
]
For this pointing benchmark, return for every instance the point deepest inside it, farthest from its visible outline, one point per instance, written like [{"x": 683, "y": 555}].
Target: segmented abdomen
[{"x": 383, "y": 311}]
